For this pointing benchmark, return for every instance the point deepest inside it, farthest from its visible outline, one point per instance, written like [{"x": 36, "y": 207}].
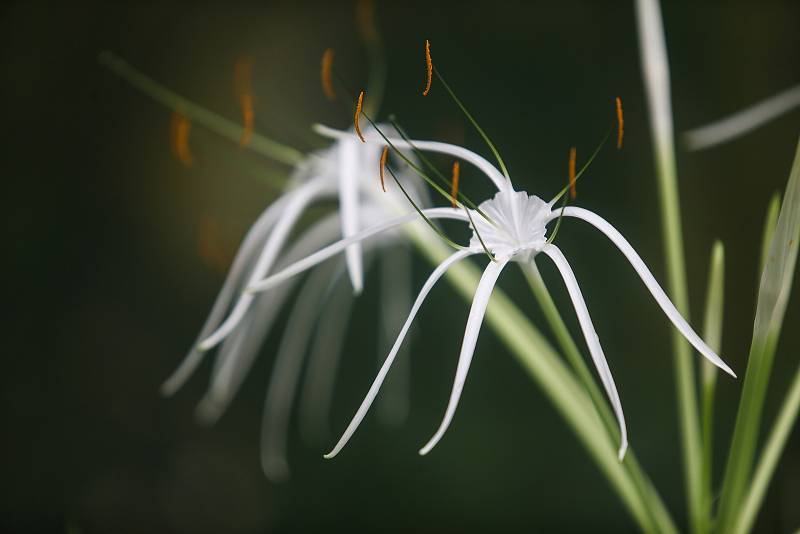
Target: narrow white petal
[
  {"x": 644, "y": 273},
  {"x": 244, "y": 257},
  {"x": 294, "y": 209},
  {"x": 348, "y": 160},
  {"x": 384, "y": 370},
  {"x": 323, "y": 361},
  {"x": 743, "y": 121},
  {"x": 432, "y": 146},
  {"x": 593, "y": 342},
  {"x": 327, "y": 252},
  {"x": 474, "y": 322},
  {"x": 285, "y": 374},
  {"x": 239, "y": 350}
]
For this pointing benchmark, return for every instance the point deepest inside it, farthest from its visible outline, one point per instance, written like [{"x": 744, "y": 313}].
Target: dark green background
[{"x": 106, "y": 290}]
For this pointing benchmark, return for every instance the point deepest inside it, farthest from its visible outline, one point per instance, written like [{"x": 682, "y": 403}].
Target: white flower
[
  {"x": 239, "y": 321},
  {"x": 514, "y": 230}
]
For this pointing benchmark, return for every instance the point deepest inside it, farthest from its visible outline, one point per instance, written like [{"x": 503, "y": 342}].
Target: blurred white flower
[
  {"x": 239, "y": 322},
  {"x": 512, "y": 226}
]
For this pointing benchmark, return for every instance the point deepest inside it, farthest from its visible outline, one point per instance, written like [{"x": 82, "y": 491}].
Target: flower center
[{"x": 515, "y": 228}]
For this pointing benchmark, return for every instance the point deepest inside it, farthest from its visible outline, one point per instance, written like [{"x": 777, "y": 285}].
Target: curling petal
[
  {"x": 301, "y": 198},
  {"x": 432, "y": 146},
  {"x": 348, "y": 156},
  {"x": 595, "y": 350},
  {"x": 384, "y": 370},
  {"x": 650, "y": 282},
  {"x": 327, "y": 252},
  {"x": 474, "y": 322}
]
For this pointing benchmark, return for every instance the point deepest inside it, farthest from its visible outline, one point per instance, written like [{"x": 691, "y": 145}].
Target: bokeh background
[{"x": 110, "y": 276}]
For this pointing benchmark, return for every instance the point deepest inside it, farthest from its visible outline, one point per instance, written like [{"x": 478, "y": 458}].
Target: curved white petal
[
  {"x": 650, "y": 282},
  {"x": 285, "y": 374},
  {"x": 595, "y": 350},
  {"x": 324, "y": 356},
  {"x": 294, "y": 209},
  {"x": 327, "y": 252},
  {"x": 348, "y": 160},
  {"x": 474, "y": 322},
  {"x": 431, "y": 146},
  {"x": 239, "y": 350},
  {"x": 743, "y": 121},
  {"x": 254, "y": 238},
  {"x": 376, "y": 384}
]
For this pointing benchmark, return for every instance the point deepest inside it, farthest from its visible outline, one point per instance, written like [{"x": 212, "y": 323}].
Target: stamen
[
  {"x": 572, "y": 156},
  {"x": 454, "y": 190},
  {"x": 620, "y": 124},
  {"x": 384, "y": 155},
  {"x": 180, "y": 127},
  {"x": 358, "y": 113},
  {"x": 242, "y": 88},
  {"x": 248, "y": 119},
  {"x": 365, "y": 19},
  {"x": 326, "y": 75},
  {"x": 429, "y": 68}
]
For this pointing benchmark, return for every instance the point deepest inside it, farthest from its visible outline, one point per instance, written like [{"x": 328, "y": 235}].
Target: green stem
[
  {"x": 770, "y": 221},
  {"x": 214, "y": 122},
  {"x": 655, "y": 507},
  {"x": 712, "y": 333},
  {"x": 773, "y": 449}
]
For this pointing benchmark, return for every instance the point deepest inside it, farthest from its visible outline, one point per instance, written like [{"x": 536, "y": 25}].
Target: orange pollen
[
  {"x": 384, "y": 155},
  {"x": 572, "y": 156},
  {"x": 454, "y": 189},
  {"x": 429, "y": 68},
  {"x": 358, "y": 114},
  {"x": 248, "y": 119},
  {"x": 327, "y": 69},
  {"x": 180, "y": 127},
  {"x": 620, "y": 123}
]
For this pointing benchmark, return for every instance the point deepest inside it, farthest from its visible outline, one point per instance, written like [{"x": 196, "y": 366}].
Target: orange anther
[
  {"x": 572, "y": 155},
  {"x": 620, "y": 123},
  {"x": 429, "y": 68},
  {"x": 248, "y": 119},
  {"x": 454, "y": 189},
  {"x": 180, "y": 127},
  {"x": 384, "y": 155},
  {"x": 358, "y": 114},
  {"x": 243, "y": 90},
  {"x": 327, "y": 69},
  {"x": 365, "y": 19}
]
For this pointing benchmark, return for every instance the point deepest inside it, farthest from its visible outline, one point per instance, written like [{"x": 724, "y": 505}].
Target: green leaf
[{"x": 773, "y": 296}]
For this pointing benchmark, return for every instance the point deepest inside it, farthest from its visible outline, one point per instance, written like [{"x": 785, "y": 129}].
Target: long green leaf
[
  {"x": 773, "y": 296},
  {"x": 712, "y": 333}
]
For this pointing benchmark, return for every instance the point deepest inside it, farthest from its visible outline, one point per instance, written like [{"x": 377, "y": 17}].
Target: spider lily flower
[
  {"x": 513, "y": 227},
  {"x": 239, "y": 322}
]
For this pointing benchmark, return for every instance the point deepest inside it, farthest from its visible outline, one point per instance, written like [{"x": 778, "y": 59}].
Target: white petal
[
  {"x": 644, "y": 273},
  {"x": 743, "y": 121},
  {"x": 244, "y": 257},
  {"x": 324, "y": 356},
  {"x": 432, "y": 146},
  {"x": 376, "y": 384},
  {"x": 327, "y": 252},
  {"x": 294, "y": 209},
  {"x": 595, "y": 350},
  {"x": 239, "y": 350},
  {"x": 348, "y": 156},
  {"x": 474, "y": 322},
  {"x": 285, "y": 374}
]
